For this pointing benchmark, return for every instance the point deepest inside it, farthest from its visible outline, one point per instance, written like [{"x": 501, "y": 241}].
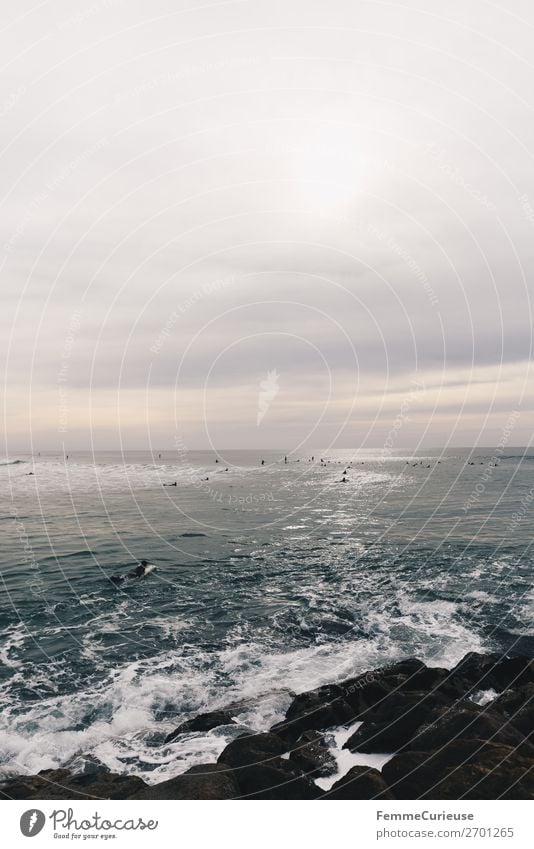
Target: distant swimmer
[
  {"x": 216, "y": 461},
  {"x": 170, "y": 484},
  {"x": 226, "y": 470},
  {"x": 140, "y": 571}
]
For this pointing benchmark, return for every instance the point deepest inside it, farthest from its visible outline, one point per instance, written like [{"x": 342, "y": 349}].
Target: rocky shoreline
[{"x": 464, "y": 733}]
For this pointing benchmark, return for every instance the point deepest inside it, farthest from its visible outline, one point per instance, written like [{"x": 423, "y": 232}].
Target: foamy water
[{"x": 269, "y": 581}]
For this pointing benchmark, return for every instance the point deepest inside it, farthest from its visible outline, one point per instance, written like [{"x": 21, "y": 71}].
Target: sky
[{"x": 267, "y": 224}]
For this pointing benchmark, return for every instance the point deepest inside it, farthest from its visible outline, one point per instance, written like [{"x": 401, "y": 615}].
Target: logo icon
[{"x": 32, "y": 822}]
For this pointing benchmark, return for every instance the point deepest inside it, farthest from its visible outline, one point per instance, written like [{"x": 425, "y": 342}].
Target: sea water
[{"x": 270, "y": 579}]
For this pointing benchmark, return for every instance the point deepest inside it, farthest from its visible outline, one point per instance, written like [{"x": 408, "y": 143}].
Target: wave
[{"x": 11, "y": 462}]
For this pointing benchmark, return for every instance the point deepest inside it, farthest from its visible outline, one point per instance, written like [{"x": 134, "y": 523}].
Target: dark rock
[
  {"x": 360, "y": 782},
  {"x": 315, "y": 710},
  {"x": 492, "y": 671},
  {"x": 467, "y": 720},
  {"x": 252, "y": 749},
  {"x": 276, "y": 778},
  {"x": 262, "y": 773},
  {"x": 312, "y": 754},
  {"x": 205, "y": 781},
  {"x": 394, "y": 721},
  {"x": 366, "y": 693},
  {"x": 203, "y": 722},
  {"x": 518, "y": 707},
  {"x": 63, "y": 784},
  {"x": 465, "y": 769}
]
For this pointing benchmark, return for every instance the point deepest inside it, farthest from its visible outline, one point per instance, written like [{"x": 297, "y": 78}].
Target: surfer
[
  {"x": 140, "y": 571},
  {"x": 170, "y": 484}
]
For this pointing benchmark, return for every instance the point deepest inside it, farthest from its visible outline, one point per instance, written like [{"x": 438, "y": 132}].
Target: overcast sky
[{"x": 266, "y": 223}]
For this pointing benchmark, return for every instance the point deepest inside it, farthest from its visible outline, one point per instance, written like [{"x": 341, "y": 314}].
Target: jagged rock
[
  {"x": 395, "y": 721},
  {"x": 205, "y": 781},
  {"x": 467, "y": 720},
  {"x": 63, "y": 784},
  {"x": 360, "y": 782},
  {"x": 203, "y": 722},
  {"x": 518, "y": 707},
  {"x": 312, "y": 754},
  {"x": 465, "y": 769},
  {"x": 261, "y": 772},
  {"x": 492, "y": 671},
  {"x": 315, "y": 710},
  {"x": 276, "y": 778},
  {"x": 252, "y": 749},
  {"x": 367, "y": 693}
]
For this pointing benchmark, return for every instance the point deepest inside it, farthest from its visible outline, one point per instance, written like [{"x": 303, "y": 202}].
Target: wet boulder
[
  {"x": 63, "y": 784},
  {"x": 465, "y": 769},
  {"x": 491, "y": 672},
  {"x": 518, "y": 707},
  {"x": 249, "y": 749},
  {"x": 311, "y": 753},
  {"x": 202, "y": 722},
  {"x": 395, "y": 721},
  {"x": 315, "y": 710},
  {"x": 204, "y": 781},
  {"x": 466, "y": 720},
  {"x": 360, "y": 782}
]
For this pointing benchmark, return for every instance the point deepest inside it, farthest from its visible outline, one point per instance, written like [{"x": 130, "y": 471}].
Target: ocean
[{"x": 269, "y": 580}]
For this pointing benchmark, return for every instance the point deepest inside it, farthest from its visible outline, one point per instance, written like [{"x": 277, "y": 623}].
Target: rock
[
  {"x": 203, "y": 722},
  {"x": 360, "y": 782},
  {"x": 252, "y": 749},
  {"x": 518, "y": 707},
  {"x": 366, "y": 693},
  {"x": 85, "y": 764},
  {"x": 467, "y": 720},
  {"x": 312, "y": 755},
  {"x": 491, "y": 671},
  {"x": 63, "y": 784},
  {"x": 395, "y": 721},
  {"x": 315, "y": 710},
  {"x": 465, "y": 769},
  {"x": 276, "y": 778},
  {"x": 261, "y": 771},
  {"x": 205, "y": 781}
]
